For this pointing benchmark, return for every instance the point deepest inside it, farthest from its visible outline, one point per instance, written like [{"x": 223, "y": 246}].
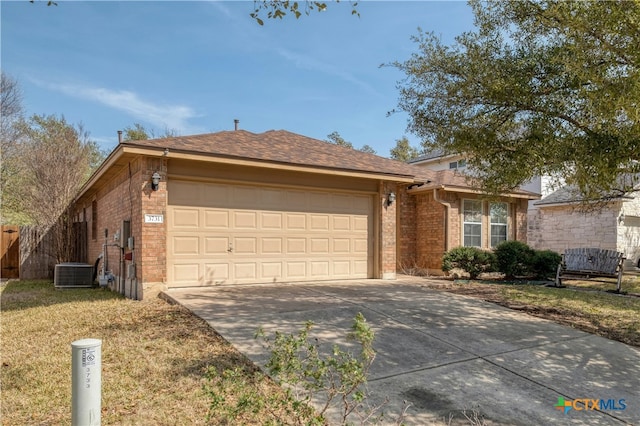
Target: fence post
[{"x": 86, "y": 382}]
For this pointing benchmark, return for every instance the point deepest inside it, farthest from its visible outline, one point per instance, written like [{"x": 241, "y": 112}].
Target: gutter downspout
[{"x": 447, "y": 206}]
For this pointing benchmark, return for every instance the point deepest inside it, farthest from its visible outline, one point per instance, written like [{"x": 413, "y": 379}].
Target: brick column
[
  {"x": 388, "y": 231},
  {"x": 152, "y": 248}
]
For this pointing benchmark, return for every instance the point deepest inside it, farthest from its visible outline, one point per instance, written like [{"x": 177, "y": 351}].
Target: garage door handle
[{"x": 230, "y": 249}]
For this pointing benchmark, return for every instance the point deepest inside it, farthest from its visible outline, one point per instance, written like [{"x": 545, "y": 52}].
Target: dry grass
[
  {"x": 583, "y": 305},
  {"x": 154, "y": 356}
]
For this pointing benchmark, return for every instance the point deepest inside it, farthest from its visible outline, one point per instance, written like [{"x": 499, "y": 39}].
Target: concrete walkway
[{"x": 442, "y": 353}]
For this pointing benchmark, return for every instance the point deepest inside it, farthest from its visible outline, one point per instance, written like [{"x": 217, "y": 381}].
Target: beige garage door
[{"x": 221, "y": 233}]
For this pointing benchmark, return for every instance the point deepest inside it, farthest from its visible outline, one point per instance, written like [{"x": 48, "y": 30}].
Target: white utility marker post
[{"x": 86, "y": 382}]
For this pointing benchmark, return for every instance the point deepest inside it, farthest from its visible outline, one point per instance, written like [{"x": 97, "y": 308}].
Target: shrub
[
  {"x": 513, "y": 258},
  {"x": 472, "y": 260},
  {"x": 544, "y": 263},
  {"x": 338, "y": 380}
]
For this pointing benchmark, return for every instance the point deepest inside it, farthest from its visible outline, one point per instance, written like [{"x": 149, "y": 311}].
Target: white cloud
[
  {"x": 161, "y": 115},
  {"x": 309, "y": 63}
]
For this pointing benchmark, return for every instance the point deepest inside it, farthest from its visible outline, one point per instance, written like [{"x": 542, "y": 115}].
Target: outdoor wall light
[
  {"x": 155, "y": 181},
  {"x": 621, "y": 219},
  {"x": 391, "y": 198}
]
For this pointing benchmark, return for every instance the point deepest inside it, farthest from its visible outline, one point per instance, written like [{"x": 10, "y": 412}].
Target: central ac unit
[{"x": 73, "y": 275}]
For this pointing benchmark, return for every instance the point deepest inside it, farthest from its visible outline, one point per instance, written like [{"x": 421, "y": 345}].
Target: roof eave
[
  {"x": 243, "y": 161},
  {"x": 470, "y": 190}
]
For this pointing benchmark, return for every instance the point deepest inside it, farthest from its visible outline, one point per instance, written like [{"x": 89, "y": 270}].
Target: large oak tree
[{"x": 538, "y": 88}]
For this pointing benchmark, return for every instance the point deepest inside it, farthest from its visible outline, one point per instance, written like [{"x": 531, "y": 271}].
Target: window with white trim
[
  {"x": 460, "y": 164},
  {"x": 472, "y": 223},
  {"x": 498, "y": 214}
]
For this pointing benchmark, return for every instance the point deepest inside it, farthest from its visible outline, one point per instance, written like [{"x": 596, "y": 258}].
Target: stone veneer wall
[{"x": 560, "y": 227}]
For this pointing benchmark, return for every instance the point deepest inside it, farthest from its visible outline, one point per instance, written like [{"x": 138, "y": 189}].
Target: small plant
[
  {"x": 514, "y": 258},
  {"x": 472, "y": 260},
  {"x": 544, "y": 263},
  {"x": 296, "y": 362}
]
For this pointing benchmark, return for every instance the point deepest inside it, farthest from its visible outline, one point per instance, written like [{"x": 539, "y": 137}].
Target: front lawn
[
  {"x": 154, "y": 356},
  {"x": 582, "y": 305}
]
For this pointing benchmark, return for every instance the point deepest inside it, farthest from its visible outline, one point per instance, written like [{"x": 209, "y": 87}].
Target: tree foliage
[
  {"x": 539, "y": 88},
  {"x": 336, "y": 139},
  {"x": 367, "y": 148},
  {"x": 403, "y": 151},
  {"x": 278, "y": 9},
  {"x": 137, "y": 132},
  {"x": 52, "y": 159}
]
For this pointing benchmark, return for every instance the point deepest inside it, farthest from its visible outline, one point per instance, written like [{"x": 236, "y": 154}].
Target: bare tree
[
  {"x": 10, "y": 114},
  {"x": 54, "y": 160}
]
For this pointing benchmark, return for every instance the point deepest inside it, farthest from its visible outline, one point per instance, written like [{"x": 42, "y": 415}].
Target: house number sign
[{"x": 153, "y": 218}]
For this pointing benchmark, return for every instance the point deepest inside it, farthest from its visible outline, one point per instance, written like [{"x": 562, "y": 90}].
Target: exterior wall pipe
[
  {"x": 86, "y": 382},
  {"x": 447, "y": 208}
]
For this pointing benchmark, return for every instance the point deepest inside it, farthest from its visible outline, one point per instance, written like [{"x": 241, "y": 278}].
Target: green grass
[{"x": 154, "y": 356}]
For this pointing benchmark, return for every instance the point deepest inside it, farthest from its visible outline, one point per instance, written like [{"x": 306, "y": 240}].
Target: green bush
[
  {"x": 513, "y": 258},
  {"x": 472, "y": 260},
  {"x": 544, "y": 263}
]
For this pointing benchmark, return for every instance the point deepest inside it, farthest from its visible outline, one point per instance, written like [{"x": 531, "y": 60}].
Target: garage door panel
[
  {"x": 341, "y": 245},
  {"x": 296, "y": 245},
  {"x": 216, "y": 273},
  {"x": 319, "y": 269},
  {"x": 186, "y": 245},
  {"x": 245, "y": 220},
  {"x": 342, "y": 268},
  {"x": 360, "y": 223},
  {"x": 272, "y": 221},
  {"x": 296, "y": 270},
  {"x": 341, "y": 223},
  {"x": 342, "y": 202},
  {"x": 245, "y": 271},
  {"x": 243, "y": 234},
  {"x": 296, "y": 222},
  {"x": 271, "y": 270},
  {"x": 296, "y": 200},
  {"x": 216, "y": 245},
  {"x": 213, "y": 195},
  {"x": 245, "y": 245},
  {"x": 272, "y": 245},
  {"x": 319, "y": 222},
  {"x": 360, "y": 245},
  {"x": 360, "y": 267},
  {"x": 319, "y": 245},
  {"x": 185, "y": 218},
  {"x": 187, "y": 272},
  {"x": 216, "y": 219},
  {"x": 272, "y": 198},
  {"x": 320, "y": 201}
]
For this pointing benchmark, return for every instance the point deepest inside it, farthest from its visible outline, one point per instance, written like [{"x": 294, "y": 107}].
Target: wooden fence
[{"x": 29, "y": 252}]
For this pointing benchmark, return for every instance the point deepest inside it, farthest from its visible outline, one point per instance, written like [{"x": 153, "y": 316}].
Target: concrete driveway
[{"x": 442, "y": 353}]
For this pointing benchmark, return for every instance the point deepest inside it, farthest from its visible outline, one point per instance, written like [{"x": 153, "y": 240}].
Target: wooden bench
[{"x": 588, "y": 263}]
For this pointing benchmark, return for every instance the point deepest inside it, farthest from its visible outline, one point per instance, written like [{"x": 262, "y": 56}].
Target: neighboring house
[
  {"x": 560, "y": 222},
  {"x": 236, "y": 207},
  {"x": 437, "y": 160}
]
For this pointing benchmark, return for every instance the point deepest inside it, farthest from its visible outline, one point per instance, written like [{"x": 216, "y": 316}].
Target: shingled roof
[
  {"x": 453, "y": 180},
  {"x": 279, "y": 146}
]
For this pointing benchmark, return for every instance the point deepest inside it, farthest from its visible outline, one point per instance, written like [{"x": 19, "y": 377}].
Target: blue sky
[{"x": 196, "y": 66}]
